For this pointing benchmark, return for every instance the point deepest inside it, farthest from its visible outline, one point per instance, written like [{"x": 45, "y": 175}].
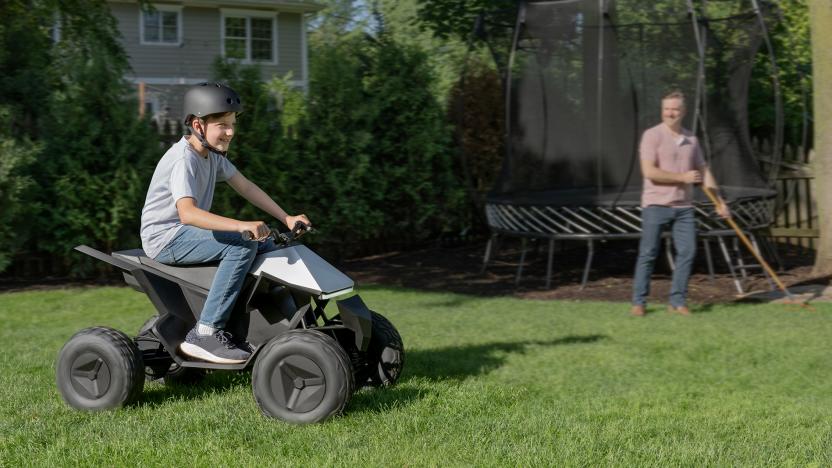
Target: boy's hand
[
  {"x": 258, "y": 229},
  {"x": 291, "y": 220}
]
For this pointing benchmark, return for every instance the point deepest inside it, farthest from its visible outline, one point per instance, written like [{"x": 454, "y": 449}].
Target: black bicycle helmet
[
  {"x": 206, "y": 99},
  {"x": 210, "y": 98}
]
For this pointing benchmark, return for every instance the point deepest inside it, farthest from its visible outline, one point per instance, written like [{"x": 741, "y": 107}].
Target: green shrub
[
  {"x": 476, "y": 111},
  {"x": 98, "y": 156},
  {"x": 411, "y": 149},
  {"x": 260, "y": 151},
  {"x": 15, "y": 216}
]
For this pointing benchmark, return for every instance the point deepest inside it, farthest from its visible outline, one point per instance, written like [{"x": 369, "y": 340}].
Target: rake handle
[{"x": 748, "y": 244}]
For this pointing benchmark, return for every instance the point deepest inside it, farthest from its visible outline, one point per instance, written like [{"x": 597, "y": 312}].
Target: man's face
[
  {"x": 220, "y": 130},
  {"x": 673, "y": 111}
]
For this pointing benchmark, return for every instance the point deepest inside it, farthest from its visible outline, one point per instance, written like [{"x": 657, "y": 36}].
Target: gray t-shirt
[{"x": 181, "y": 172}]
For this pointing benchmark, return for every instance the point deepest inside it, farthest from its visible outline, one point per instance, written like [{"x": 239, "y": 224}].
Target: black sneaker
[
  {"x": 240, "y": 343},
  {"x": 217, "y": 348}
]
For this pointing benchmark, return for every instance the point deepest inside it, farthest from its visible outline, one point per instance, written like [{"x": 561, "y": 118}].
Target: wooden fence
[{"x": 796, "y": 218}]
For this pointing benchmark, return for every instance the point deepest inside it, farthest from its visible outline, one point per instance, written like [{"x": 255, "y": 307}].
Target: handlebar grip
[
  {"x": 300, "y": 226},
  {"x": 247, "y": 235}
]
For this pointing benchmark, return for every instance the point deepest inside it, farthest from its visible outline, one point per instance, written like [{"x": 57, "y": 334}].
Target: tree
[
  {"x": 340, "y": 19},
  {"x": 260, "y": 149},
  {"x": 98, "y": 156},
  {"x": 821, "y": 30},
  {"x": 15, "y": 157}
]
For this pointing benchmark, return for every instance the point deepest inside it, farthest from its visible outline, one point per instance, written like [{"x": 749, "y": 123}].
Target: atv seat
[{"x": 201, "y": 274}]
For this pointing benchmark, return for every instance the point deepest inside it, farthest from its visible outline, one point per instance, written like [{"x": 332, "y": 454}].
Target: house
[{"x": 175, "y": 44}]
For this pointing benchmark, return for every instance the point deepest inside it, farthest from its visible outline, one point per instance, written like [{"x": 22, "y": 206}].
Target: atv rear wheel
[
  {"x": 303, "y": 376},
  {"x": 99, "y": 368}
]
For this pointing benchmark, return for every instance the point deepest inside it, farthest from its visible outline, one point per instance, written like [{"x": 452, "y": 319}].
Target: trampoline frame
[{"x": 592, "y": 223}]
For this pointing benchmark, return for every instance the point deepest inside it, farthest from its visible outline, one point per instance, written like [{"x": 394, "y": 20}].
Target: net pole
[
  {"x": 599, "y": 128},
  {"x": 521, "y": 18},
  {"x": 703, "y": 116},
  {"x": 778, "y": 99},
  {"x": 700, "y": 75}
]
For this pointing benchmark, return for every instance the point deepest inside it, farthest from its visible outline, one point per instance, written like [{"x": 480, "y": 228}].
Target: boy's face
[{"x": 220, "y": 130}]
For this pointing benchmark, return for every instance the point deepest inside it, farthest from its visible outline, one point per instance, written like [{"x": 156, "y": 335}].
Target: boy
[{"x": 178, "y": 228}]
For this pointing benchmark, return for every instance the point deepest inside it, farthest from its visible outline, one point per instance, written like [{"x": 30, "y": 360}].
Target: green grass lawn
[{"x": 487, "y": 382}]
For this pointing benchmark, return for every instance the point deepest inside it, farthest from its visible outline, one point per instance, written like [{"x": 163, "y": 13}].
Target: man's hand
[
  {"x": 692, "y": 177},
  {"x": 292, "y": 220},
  {"x": 258, "y": 229},
  {"x": 722, "y": 209}
]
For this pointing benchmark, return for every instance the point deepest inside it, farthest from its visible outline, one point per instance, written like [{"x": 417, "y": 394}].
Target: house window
[
  {"x": 249, "y": 36},
  {"x": 161, "y": 25}
]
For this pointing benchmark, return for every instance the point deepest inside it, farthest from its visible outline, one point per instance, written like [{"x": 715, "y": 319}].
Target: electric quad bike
[{"x": 305, "y": 365}]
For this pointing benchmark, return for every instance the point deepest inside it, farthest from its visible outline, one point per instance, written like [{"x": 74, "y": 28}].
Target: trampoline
[{"x": 583, "y": 79}]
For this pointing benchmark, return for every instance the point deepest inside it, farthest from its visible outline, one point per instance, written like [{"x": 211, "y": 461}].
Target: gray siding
[
  {"x": 289, "y": 45},
  {"x": 201, "y": 37}
]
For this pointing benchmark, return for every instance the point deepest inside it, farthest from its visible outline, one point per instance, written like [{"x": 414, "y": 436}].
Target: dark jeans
[{"x": 683, "y": 224}]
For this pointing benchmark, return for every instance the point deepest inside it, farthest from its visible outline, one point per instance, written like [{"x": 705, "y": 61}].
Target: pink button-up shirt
[{"x": 671, "y": 153}]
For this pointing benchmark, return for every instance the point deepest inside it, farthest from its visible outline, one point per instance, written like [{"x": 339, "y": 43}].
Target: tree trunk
[{"x": 820, "y": 17}]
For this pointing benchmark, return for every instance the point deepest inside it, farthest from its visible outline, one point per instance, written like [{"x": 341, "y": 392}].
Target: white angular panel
[{"x": 301, "y": 267}]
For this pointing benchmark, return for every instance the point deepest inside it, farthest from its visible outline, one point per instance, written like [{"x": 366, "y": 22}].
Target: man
[{"x": 671, "y": 163}]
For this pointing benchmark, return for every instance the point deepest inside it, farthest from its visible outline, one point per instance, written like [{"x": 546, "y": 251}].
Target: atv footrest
[{"x": 211, "y": 365}]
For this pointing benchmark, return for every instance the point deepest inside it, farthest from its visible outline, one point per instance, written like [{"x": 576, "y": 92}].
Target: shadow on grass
[
  {"x": 462, "y": 362},
  {"x": 454, "y": 363},
  {"x": 216, "y": 382},
  {"x": 449, "y": 363}
]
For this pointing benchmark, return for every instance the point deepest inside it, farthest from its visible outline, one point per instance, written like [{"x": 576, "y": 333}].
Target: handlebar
[{"x": 300, "y": 228}]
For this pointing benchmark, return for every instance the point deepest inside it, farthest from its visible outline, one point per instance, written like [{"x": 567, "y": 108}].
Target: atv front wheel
[
  {"x": 303, "y": 376},
  {"x": 385, "y": 355},
  {"x": 100, "y": 368}
]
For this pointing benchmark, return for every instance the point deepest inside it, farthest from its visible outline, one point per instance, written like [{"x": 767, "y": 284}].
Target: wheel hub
[
  {"x": 90, "y": 375},
  {"x": 298, "y": 384}
]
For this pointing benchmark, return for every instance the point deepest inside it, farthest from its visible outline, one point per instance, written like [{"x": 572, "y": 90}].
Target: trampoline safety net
[{"x": 585, "y": 78}]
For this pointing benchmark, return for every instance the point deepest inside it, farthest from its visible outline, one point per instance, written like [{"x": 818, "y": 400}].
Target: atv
[{"x": 304, "y": 364}]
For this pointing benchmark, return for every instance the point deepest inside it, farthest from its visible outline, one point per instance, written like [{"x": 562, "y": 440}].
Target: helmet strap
[{"x": 200, "y": 135}]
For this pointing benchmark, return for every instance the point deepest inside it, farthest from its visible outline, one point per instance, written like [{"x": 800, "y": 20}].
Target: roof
[{"x": 295, "y": 6}]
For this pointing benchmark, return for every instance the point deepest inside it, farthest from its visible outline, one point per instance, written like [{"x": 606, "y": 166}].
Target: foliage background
[{"x": 377, "y": 153}]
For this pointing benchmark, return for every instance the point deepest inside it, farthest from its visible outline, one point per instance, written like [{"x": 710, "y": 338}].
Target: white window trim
[
  {"x": 151, "y": 80},
  {"x": 179, "y": 32},
  {"x": 247, "y": 14}
]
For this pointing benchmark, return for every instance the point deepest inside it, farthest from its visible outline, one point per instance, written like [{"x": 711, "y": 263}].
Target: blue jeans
[
  {"x": 683, "y": 222},
  {"x": 193, "y": 245}
]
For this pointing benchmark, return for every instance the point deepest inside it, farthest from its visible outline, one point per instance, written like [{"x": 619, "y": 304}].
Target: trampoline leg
[
  {"x": 740, "y": 262},
  {"x": 549, "y": 262},
  {"x": 488, "y": 248},
  {"x": 668, "y": 248},
  {"x": 590, "y": 252},
  {"x": 522, "y": 260},
  {"x": 710, "y": 261},
  {"x": 770, "y": 248},
  {"x": 727, "y": 256},
  {"x": 757, "y": 249}
]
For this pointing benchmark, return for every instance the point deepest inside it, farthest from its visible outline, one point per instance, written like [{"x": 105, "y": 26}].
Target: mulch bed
[{"x": 458, "y": 269}]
